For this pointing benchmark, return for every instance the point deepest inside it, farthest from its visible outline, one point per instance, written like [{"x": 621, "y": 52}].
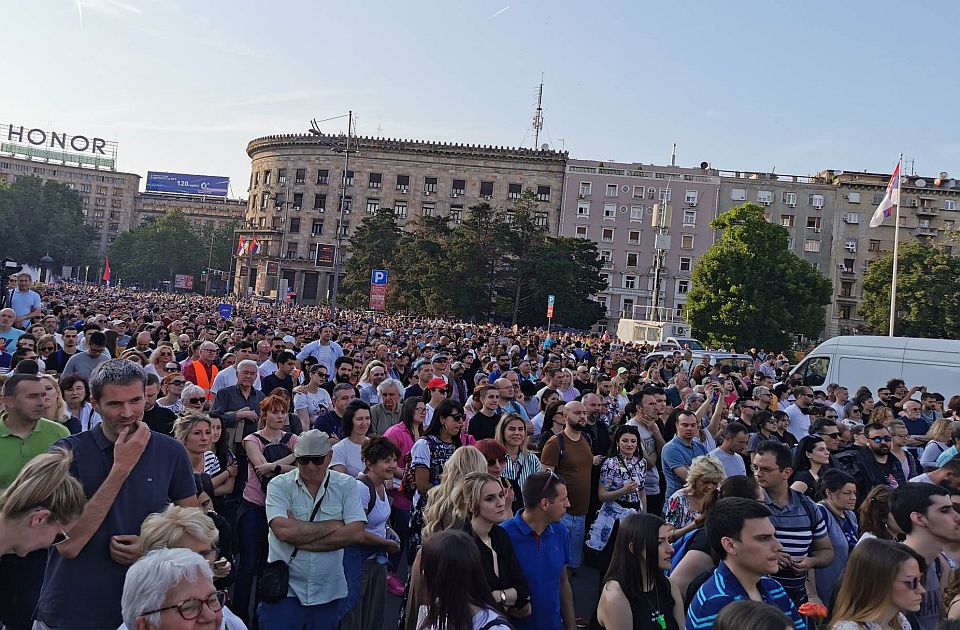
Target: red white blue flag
[{"x": 885, "y": 209}]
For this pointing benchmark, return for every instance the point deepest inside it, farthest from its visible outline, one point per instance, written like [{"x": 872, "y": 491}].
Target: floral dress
[
  {"x": 615, "y": 473},
  {"x": 679, "y": 512}
]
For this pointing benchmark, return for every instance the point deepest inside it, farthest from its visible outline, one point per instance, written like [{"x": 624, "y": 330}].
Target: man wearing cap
[
  {"x": 438, "y": 391},
  {"x": 324, "y": 350},
  {"x": 313, "y": 513},
  {"x": 441, "y": 366},
  {"x": 203, "y": 372},
  {"x": 120, "y": 327}
]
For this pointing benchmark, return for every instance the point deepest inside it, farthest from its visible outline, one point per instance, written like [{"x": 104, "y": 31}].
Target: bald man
[{"x": 8, "y": 333}]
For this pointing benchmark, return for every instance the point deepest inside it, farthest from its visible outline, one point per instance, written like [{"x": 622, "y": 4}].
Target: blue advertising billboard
[{"x": 210, "y": 185}]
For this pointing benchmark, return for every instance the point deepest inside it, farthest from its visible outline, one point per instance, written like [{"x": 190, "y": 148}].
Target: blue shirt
[
  {"x": 542, "y": 559},
  {"x": 330, "y": 423},
  {"x": 85, "y": 592},
  {"x": 722, "y": 587},
  {"x": 676, "y": 454},
  {"x": 946, "y": 456},
  {"x": 23, "y": 302}
]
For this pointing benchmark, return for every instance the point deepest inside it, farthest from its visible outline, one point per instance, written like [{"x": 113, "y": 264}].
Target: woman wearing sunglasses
[
  {"x": 882, "y": 581},
  {"x": 193, "y": 398},
  {"x": 172, "y": 386},
  {"x": 159, "y": 359}
]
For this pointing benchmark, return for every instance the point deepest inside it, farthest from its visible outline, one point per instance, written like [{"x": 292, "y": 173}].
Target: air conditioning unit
[
  {"x": 692, "y": 204},
  {"x": 580, "y": 196},
  {"x": 817, "y": 230},
  {"x": 792, "y": 205},
  {"x": 426, "y": 193},
  {"x": 454, "y": 195}
]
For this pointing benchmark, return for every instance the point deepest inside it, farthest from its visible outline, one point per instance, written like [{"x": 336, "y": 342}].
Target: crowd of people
[{"x": 166, "y": 462}]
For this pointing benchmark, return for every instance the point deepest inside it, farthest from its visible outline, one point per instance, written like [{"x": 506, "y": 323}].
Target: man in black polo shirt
[
  {"x": 158, "y": 418},
  {"x": 129, "y": 472}
]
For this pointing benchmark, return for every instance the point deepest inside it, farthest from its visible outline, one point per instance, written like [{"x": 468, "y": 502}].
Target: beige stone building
[
  {"x": 297, "y": 183},
  {"x": 108, "y": 197},
  {"x": 929, "y": 212},
  {"x": 203, "y": 211}
]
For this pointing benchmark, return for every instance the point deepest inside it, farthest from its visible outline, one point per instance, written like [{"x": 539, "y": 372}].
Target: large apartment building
[
  {"x": 202, "y": 211},
  {"x": 650, "y": 223},
  {"x": 298, "y": 184},
  {"x": 107, "y": 196}
]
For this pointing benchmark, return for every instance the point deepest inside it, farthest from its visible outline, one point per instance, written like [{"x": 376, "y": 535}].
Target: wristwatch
[{"x": 503, "y": 597}]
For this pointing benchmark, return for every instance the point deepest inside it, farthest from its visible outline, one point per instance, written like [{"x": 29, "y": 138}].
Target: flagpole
[{"x": 896, "y": 247}]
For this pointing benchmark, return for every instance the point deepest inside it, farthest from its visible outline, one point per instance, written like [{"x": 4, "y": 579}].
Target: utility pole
[
  {"x": 338, "y": 254},
  {"x": 538, "y": 117}
]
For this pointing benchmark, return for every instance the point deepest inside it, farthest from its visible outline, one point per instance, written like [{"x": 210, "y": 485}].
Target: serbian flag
[
  {"x": 885, "y": 209},
  {"x": 241, "y": 249},
  {"x": 255, "y": 246},
  {"x": 106, "y": 271}
]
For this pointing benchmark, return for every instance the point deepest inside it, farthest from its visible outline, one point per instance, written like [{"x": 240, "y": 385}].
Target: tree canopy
[
  {"x": 749, "y": 290},
  {"x": 928, "y": 293},
  {"x": 45, "y": 218},
  {"x": 496, "y": 262}
]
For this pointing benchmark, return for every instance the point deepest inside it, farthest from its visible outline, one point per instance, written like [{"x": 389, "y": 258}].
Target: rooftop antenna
[
  {"x": 538, "y": 116},
  {"x": 673, "y": 155}
]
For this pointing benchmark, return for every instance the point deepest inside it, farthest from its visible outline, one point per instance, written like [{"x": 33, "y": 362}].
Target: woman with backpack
[
  {"x": 836, "y": 510},
  {"x": 269, "y": 453}
]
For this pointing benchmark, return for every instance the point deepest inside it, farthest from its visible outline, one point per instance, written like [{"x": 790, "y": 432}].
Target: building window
[
  {"x": 373, "y": 204},
  {"x": 666, "y": 195},
  {"x": 322, "y": 176},
  {"x": 486, "y": 190},
  {"x": 282, "y": 176},
  {"x": 279, "y": 200},
  {"x": 320, "y": 202},
  {"x": 346, "y": 178},
  {"x": 294, "y": 225},
  {"x": 787, "y": 220},
  {"x": 686, "y": 241},
  {"x": 540, "y": 219},
  {"x": 627, "y": 306},
  {"x": 851, "y": 245},
  {"x": 609, "y": 211},
  {"x": 585, "y": 189},
  {"x": 816, "y": 201},
  {"x": 686, "y": 264},
  {"x": 456, "y": 214},
  {"x": 813, "y": 223},
  {"x": 428, "y": 209},
  {"x": 297, "y": 201},
  {"x": 633, "y": 237},
  {"x": 400, "y": 209},
  {"x": 403, "y": 183},
  {"x": 949, "y": 204},
  {"x": 764, "y": 197},
  {"x": 116, "y": 203},
  {"x": 606, "y": 258},
  {"x": 429, "y": 185},
  {"x": 789, "y": 198},
  {"x": 629, "y": 282},
  {"x": 301, "y": 176},
  {"x": 583, "y": 208},
  {"x": 811, "y": 245},
  {"x": 317, "y": 228},
  {"x": 611, "y": 190},
  {"x": 637, "y": 192},
  {"x": 846, "y": 289},
  {"x": 514, "y": 191},
  {"x": 347, "y": 204},
  {"x": 853, "y": 197},
  {"x": 264, "y": 199},
  {"x": 114, "y": 227},
  {"x": 873, "y": 246},
  {"x": 790, "y": 244},
  {"x": 606, "y": 235},
  {"x": 375, "y": 180},
  {"x": 633, "y": 259},
  {"x": 101, "y": 202},
  {"x": 118, "y": 192},
  {"x": 580, "y": 231},
  {"x": 683, "y": 287},
  {"x": 689, "y": 218},
  {"x": 738, "y": 194},
  {"x": 636, "y": 213},
  {"x": 845, "y": 311},
  {"x": 651, "y": 193},
  {"x": 543, "y": 193},
  {"x": 343, "y": 229},
  {"x": 691, "y": 197},
  {"x": 101, "y": 190},
  {"x": 605, "y": 280},
  {"x": 948, "y": 225},
  {"x": 459, "y": 187}
]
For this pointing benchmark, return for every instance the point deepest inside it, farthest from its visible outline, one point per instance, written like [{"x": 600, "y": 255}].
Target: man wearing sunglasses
[
  {"x": 317, "y": 582},
  {"x": 872, "y": 465}
]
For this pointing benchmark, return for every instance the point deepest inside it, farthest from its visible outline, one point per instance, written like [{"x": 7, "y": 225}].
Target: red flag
[{"x": 106, "y": 271}]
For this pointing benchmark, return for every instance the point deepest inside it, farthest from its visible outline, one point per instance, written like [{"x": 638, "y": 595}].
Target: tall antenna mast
[{"x": 538, "y": 116}]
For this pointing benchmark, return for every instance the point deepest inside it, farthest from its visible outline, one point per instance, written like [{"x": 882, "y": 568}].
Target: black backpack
[{"x": 274, "y": 451}]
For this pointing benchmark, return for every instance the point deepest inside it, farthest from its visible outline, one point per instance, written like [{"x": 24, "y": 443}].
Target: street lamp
[
  {"x": 45, "y": 263},
  {"x": 338, "y": 257},
  {"x": 283, "y": 205}
]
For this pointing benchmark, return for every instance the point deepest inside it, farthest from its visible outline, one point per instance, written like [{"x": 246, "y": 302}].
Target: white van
[{"x": 853, "y": 361}]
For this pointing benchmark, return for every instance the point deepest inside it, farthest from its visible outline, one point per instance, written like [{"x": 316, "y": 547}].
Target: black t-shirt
[
  {"x": 160, "y": 419},
  {"x": 483, "y": 426},
  {"x": 271, "y": 382}
]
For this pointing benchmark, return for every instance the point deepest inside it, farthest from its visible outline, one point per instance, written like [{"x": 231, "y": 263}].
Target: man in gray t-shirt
[
  {"x": 83, "y": 363},
  {"x": 735, "y": 438}
]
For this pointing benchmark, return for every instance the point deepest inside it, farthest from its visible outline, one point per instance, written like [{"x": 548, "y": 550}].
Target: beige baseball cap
[{"x": 312, "y": 443}]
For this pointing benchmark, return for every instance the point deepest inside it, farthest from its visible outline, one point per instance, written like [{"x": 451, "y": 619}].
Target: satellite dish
[
  {"x": 920, "y": 183},
  {"x": 704, "y": 166},
  {"x": 544, "y": 147},
  {"x": 837, "y": 173}
]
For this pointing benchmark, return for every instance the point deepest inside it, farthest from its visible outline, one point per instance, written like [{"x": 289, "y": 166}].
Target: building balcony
[
  {"x": 847, "y": 297},
  {"x": 925, "y": 231},
  {"x": 926, "y": 212},
  {"x": 606, "y": 264}
]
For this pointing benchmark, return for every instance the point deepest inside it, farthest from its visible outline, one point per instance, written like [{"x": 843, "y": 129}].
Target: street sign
[
  {"x": 225, "y": 310},
  {"x": 378, "y": 290},
  {"x": 378, "y": 277},
  {"x": 550, "y": 307}
]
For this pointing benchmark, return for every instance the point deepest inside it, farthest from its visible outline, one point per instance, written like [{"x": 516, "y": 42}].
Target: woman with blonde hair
[
  {"x": 56, "y": 408},
  {"x": 881, "y": 414},
  {"x": 159, "y": 359},
  {"x": 882, "y": 581},
  {"x": 41, "y": 503},
  {"x": 684, "y": 507},
  {"x": 940, "y": 436},
  {"x": 172, "y": 386},
  {"x": 566, "y": 389},
  {"x": 443, "y": 505},
  {"x": 195, "y": 431},
  {"x": 511, "y": 432}
]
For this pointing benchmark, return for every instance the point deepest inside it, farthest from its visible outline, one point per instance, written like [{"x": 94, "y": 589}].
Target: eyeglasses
[
  {"x": 830, "y": 435},
  {"x": 60, "y": 538},
  {"x": 551, "y": 477},
  {"x": 171, "y": 370},
  {"x": 913, "y": 583},
  {"x": 316, "y": 460},
  {"x": 502, "y": 461},
  {"x": 46, "y": 349},
  {"x": 881, "y": 439},
  {"x": 831, "y": 417},
  {"x": 457, "y": 417},
  {"x": 753, "y": 407},
  {"x": 190, "y": 609},
  {"x": 765, "y": 470},
  {"x": 196, "y": 401}
]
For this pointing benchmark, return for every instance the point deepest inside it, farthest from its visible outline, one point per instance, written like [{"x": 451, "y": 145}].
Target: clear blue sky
[{"x": 183, "y": 85}]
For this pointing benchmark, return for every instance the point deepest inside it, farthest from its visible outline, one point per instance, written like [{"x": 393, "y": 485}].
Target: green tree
[
  {"x": 521, "y": 236},
  {"x": 568, "y": 269},
  {"x": 476, "y": 251},
  {"x": 158, "y": 251},
  {"x": 423, "y": 270},
  {"x": 928, "y": 293},
  {"x": 45, "y": 217},
  {"x": 372, "y": 246},
  {"x": 748, "y": 289}
]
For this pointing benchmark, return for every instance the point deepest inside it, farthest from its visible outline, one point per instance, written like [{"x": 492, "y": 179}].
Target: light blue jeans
[{"x": 576, "y": 526}]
